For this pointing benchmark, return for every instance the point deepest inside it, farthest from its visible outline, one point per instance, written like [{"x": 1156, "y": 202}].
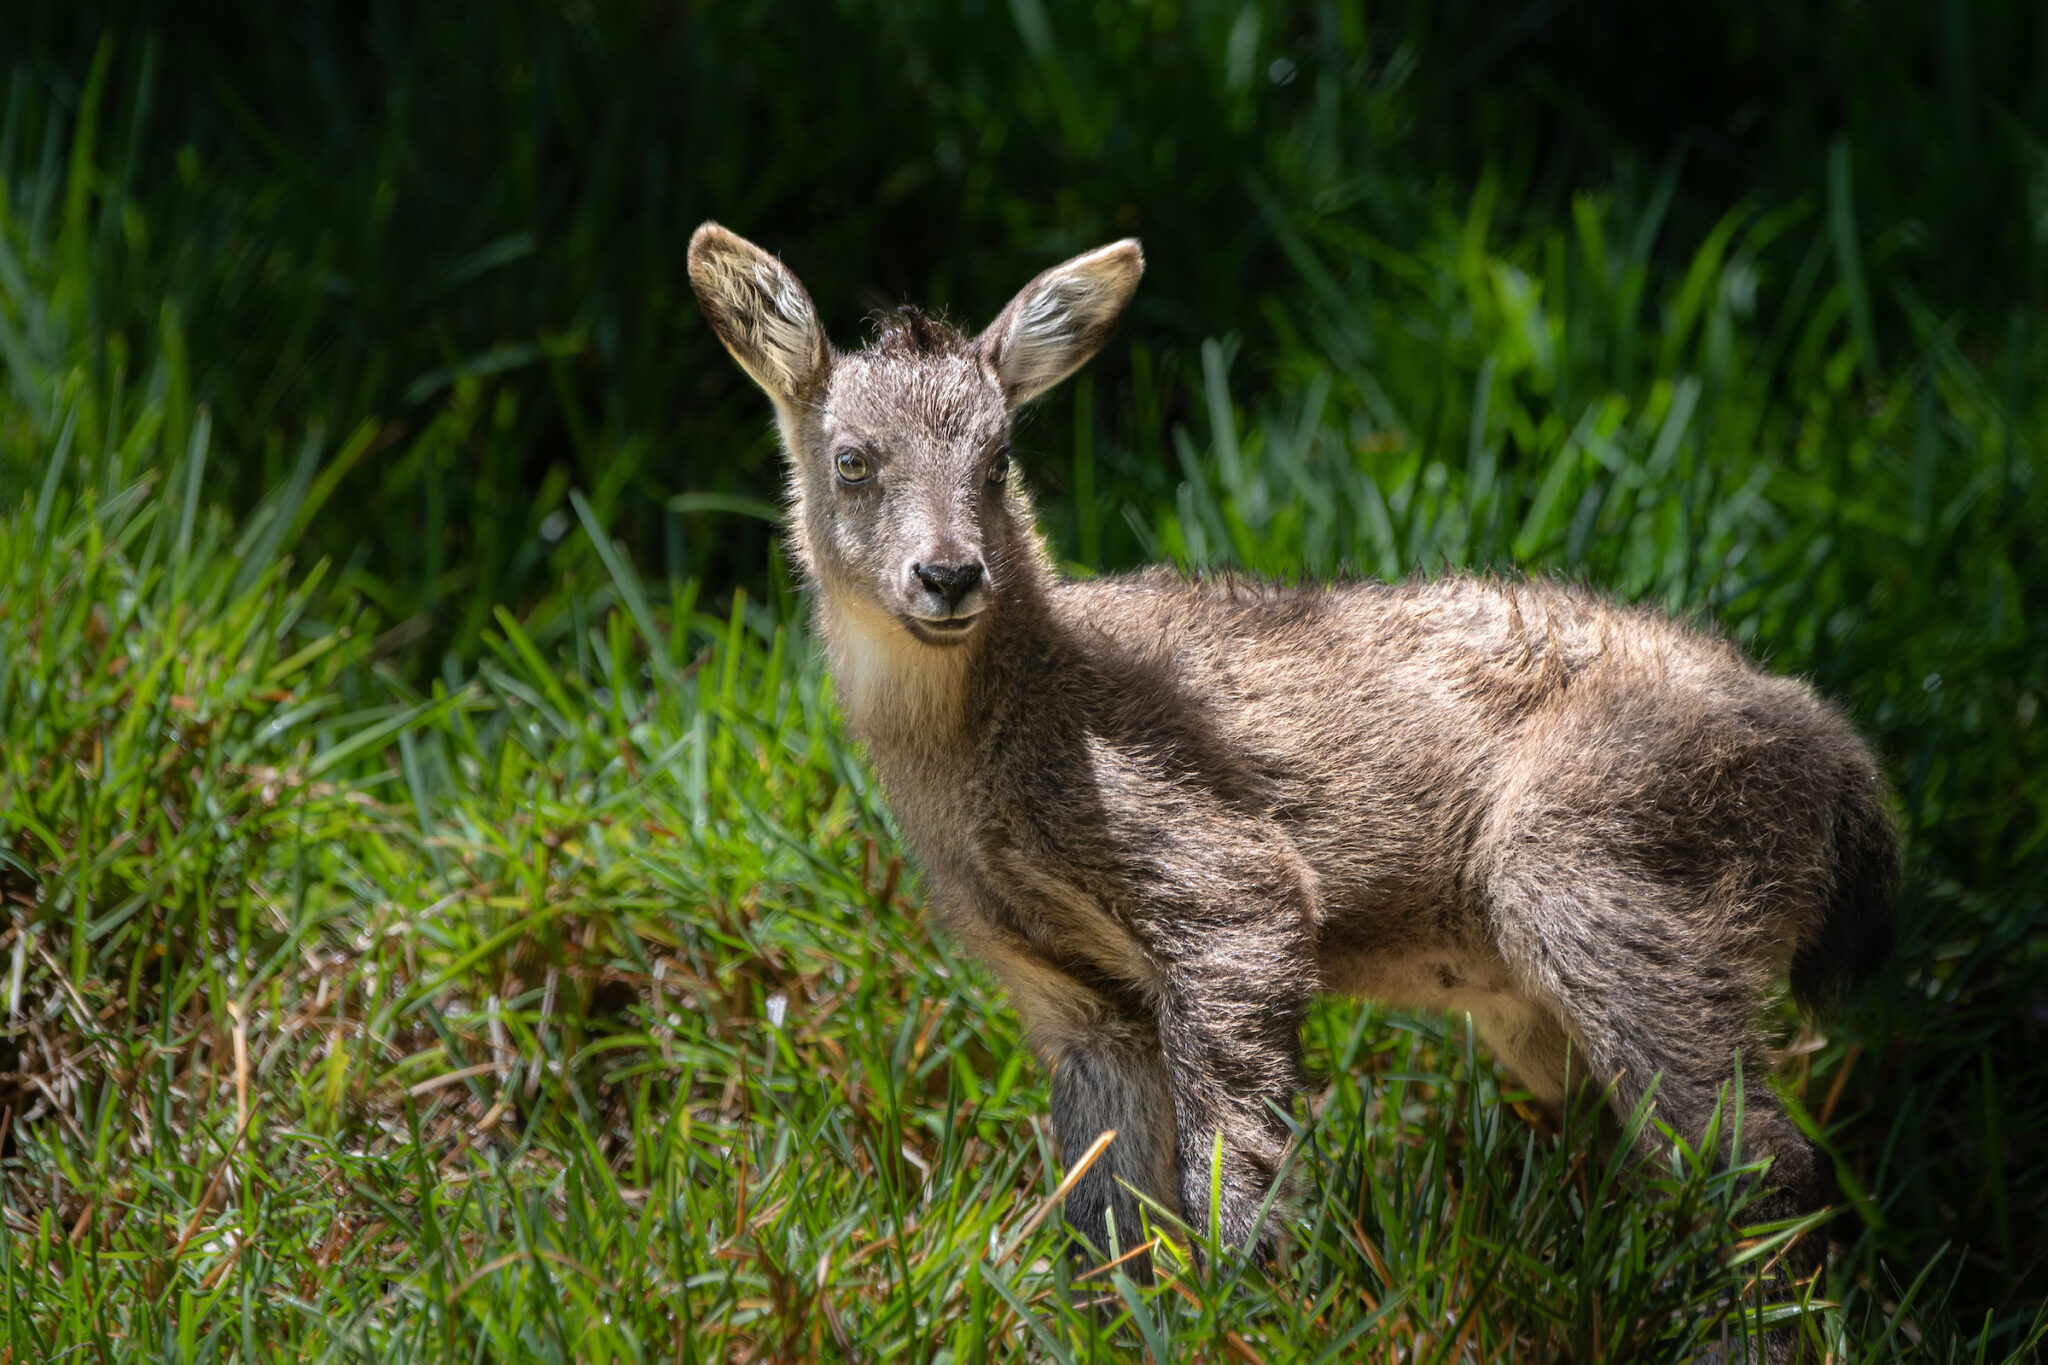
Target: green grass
[
  {"x": 583, "y": 1011},
  {"x": 570, "y": 1000}
]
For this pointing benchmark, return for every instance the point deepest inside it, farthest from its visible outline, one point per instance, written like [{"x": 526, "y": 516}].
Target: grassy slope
[{"x": 579, "y": 1008}]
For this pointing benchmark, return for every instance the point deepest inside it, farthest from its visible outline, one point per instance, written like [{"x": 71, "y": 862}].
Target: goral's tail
[{"x": 1854, "y": 935}]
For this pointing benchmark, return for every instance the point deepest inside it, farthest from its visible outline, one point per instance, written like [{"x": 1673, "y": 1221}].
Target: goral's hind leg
[
  {"x": 1643, "y": 1010},
  {"x": 1657, "y": 983},
  {"x": 1538, "y": 1053}
]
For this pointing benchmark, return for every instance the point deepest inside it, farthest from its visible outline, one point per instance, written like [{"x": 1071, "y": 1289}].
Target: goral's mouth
[{"x": 948, "y": 631}]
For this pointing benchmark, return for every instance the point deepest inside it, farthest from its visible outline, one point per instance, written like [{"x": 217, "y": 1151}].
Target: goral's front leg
[
  {"x": 1107, "y": 1076},
  {"x": 1232, "y": 1045},
  {"x": 1239, "y": 972},
  {"x": 1187, "y": 1031}
]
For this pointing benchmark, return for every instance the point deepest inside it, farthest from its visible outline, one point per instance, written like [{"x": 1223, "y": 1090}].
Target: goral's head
[{"x": 903, "y": 500}]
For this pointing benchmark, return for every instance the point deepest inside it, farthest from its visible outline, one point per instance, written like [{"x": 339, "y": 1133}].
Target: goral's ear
[
  {"x": 761, "y": 312},
  {"x": 1060, "y": 319}
]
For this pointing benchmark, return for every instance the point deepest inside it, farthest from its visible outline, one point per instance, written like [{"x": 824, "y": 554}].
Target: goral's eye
[
  {"x": 855, "y": 466},
  {"x": 999, "y": 468}
]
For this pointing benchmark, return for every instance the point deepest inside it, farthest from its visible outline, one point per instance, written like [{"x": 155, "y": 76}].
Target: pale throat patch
[{"x": 883, "y": 675}]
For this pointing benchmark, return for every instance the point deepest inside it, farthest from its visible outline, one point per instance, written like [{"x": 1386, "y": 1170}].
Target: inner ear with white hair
[
  {"x": 762, "y": 313},
  {"x": 1060, "y": 319}
]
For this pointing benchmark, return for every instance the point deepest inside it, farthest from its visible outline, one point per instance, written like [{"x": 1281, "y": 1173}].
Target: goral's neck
[
  {"x": 893, "y": 688},
  {"x": 907, "y": 700}
]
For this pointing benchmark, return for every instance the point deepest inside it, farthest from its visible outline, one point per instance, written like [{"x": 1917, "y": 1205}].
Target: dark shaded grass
[{"x": 356, "y": 211}]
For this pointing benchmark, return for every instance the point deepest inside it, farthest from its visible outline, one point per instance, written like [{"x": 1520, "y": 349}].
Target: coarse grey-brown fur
[{"x": 1168, "y": 812}]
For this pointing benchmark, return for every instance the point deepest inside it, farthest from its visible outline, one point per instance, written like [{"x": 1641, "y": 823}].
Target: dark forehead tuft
[
  {"x": 917, "y": 386},
  {"x": 909, "y": 333}
]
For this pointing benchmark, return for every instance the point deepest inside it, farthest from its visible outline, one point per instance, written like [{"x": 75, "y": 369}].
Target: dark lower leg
[{"x": 1111, "y": 1078}]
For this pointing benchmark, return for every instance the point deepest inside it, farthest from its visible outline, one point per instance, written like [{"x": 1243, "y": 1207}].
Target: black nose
[{"x": 951, "y": 582}]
